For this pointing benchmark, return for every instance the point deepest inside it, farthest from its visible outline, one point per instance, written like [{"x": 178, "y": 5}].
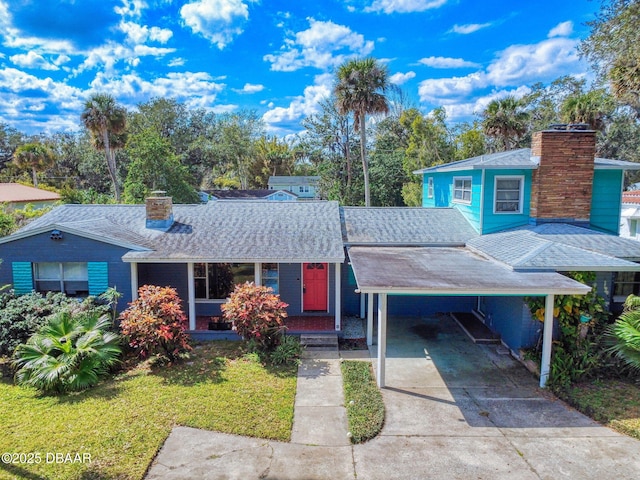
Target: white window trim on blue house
[
  {"x": 497, "y": 178},
  {"x": 430, "y": 187},
  {"x": 462, "y": 190}
]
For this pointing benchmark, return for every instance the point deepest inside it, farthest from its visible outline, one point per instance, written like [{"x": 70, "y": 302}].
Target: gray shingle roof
[
  {"x": 517, "y": 159},
  {"x": 405, "y": 226},
  {"x": 293, "y": 180},
  {"x": 525, "y": 249},
  {"x": 217, "y": 231}
]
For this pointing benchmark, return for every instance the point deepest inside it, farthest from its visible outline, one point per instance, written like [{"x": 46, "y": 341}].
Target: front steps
[{"x": 316, "y": 342}]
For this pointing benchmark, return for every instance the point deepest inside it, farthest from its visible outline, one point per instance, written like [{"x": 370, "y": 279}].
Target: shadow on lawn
[
  {"x": 195, "y": 371},
  {"x": 15, "y": 471}
]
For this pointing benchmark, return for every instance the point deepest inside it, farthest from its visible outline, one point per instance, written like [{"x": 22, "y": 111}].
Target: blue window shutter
[
  {"x": 22, "y": 277},
  {"x": 98, "y": 273}
]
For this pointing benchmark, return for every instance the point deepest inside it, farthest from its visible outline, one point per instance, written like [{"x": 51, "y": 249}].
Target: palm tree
[
  {"x": 624, "y": 334},
  {"x": 106, "y": 121},
  {"x": 35, "y": 156},
  {"x": 360, "y": 88},
  {"x": 69, "y": 353},
  {"x": 592, "y": 108},
  {"x": 505, "y": 121}
]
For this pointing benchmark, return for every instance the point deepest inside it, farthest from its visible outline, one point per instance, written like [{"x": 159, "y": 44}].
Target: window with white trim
[
  {"x": 430, "y": 187},
  {"x": 71, "y": 278},
  {"x": 216, "y": 281},
  {"x": 508, "y": 194},
  {"x": 462, "y": 189}
]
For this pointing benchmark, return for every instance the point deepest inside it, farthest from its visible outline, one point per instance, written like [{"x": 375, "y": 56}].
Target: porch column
[
  {"x": 362, "y": 304},
  {"x": 382, "y": 336},
  {"x": 370, "y": 318},
  {"x": 338, "y": 304},
  {"x": 547, "y": 339},
  {"x": 258, "y": 273},
  {"x": 192, "y": 296},
  {"x": 134, "y": 281}
]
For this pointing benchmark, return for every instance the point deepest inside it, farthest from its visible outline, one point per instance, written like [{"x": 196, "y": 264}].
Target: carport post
[
  {"x": 370, "y": 318},
  {"x": 382, "y": 336},
  {"x": 547, "y": 338}
]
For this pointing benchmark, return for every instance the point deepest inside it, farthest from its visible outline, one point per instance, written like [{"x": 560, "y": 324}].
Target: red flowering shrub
[
  {"x": 257, "y": 314},
  {"x": 155, "y": 323}
]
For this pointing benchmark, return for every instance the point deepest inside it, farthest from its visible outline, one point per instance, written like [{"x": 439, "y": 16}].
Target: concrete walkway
[{"x": 454, "y": 410}]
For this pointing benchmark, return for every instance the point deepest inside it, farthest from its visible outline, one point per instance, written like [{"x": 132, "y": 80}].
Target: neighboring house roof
[
  {"x": 293, "y": 180},
  {"x": 630, "y": 211},
  {"x": 230, "y": 231},
  {"x": 18, "y": 193},
  {"x": 517, "y": 159},
  {"x": 631, "y": 197},
  {"x": 448, "y": 271},
  {"x": 526, "y": 249},
  {"x": 405, "y": 226},
  {"x": 245, "y": 194}
]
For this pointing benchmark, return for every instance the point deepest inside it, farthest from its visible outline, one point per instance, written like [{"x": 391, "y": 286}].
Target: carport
[{"x": 450, "y": 271}]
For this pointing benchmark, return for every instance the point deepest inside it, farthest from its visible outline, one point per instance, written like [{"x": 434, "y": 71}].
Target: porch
[{"x": 295, "y": 324}]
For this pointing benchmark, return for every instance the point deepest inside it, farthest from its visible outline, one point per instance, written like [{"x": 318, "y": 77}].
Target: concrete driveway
[{"x": 454, "y": 410}]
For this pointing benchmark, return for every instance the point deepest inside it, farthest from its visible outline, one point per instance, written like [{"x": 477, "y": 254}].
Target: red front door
[{"x": 314, "y": 286}]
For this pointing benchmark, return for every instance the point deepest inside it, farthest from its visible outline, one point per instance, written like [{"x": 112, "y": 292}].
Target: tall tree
[
  {"x": 106, "y": 120},
  {"x": 505, "y": 122},
  {"x": 360, "y": 89},
  {"x": 35, "y": 156},
  {"x": 593, "y": 108},
  {"x": 614, "y": 50}
]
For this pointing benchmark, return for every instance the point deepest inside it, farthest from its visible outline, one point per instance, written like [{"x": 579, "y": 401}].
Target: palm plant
[
  {"x": 592, "y": 108},
  {"x": 624, "y": 334},
  {"x": 69, "y": 353},
  {"x": 106, "y": 121},
  {"x": 360, "y": 88},
  {"x": 505, "y": 121},
  {"x": 35, "y": 156}
]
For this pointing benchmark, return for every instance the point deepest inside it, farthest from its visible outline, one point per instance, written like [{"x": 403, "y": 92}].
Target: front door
[{"x": 314, "y": 286}]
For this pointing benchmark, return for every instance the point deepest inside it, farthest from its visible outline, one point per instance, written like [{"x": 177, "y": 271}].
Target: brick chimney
[
  {"x": 562, "y": 184},
  {"x": 159, "y": 211}
]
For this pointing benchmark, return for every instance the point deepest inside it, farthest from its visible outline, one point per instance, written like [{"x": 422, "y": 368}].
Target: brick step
[{"x": 319, "y": 340}]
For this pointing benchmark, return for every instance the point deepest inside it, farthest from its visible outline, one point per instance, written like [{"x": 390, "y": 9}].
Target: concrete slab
[
  {"x": 320, "y": 426},
  {"x": 320, "y": 391},
  {"x": 296, "y": 462},
  {"x": 320, "y": 354},
  {"x": 315, "y": 367}
]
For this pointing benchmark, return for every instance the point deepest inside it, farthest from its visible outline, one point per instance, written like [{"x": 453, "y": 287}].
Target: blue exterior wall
[
  {"x": 350, "y": 299},
  {"x": 166, "y": 275},
  {"x": 443, "y": 194},
  {"x": 291, "y": 287},
  {"x": 71, "y": 248},
  {"x": 510, "y": 317},
  {"x": 413, "y": 305},
  {"x": 606, "y": 200},
  {"x": 494, "y": 222}
]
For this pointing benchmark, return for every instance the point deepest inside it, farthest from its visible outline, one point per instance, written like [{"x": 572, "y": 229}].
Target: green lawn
[
  {"x": 612, "y": 402},
  {"x": 123, "y": 422},
  {"x": 365, "y": 408}
]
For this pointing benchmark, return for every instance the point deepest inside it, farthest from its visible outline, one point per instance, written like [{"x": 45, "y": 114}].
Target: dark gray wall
[
  {"x": 72, "y": 248},
  {"x": 166, "y": 275}
]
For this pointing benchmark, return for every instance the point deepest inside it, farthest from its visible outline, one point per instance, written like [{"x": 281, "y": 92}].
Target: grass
[
  {"x": 612, "y": 402},
  {"x": 365, "y": 408},
  {"x": 123, "y": 422}
]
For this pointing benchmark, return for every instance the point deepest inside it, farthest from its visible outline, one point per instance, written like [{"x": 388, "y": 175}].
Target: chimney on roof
[
  {"x": 562, "y": 184},
  {"x": 159, "y": 209}
]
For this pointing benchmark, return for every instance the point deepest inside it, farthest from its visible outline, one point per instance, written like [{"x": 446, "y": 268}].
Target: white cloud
[
  {"x": 563, "y": 29},
  {"x": 302, "y": 105},
  {"x": 61, "y": 59},
  {"x": 105, "y": 57},
  {"x": 32, "y": 60},
  {"x": 249, "y": 88},
  {"x": 403, "y": 6},
  {"x": 219, "y": 21},
  {"x": 141, "y": 33},
  {"x": 447, "y": 62},
  {"x": 322, "y": 45},
  {"x": 400, "y": 78},
  {"x": 468, "y": 28},
  {"x": 227, "y": 108},
  {"x": 176, "y": 62},
  {"x": 131, "y": 8}
]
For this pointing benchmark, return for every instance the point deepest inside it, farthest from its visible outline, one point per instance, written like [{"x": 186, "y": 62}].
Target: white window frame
[
  {"x": 63, "y": 281},
  {"x": 520, "y": 178},
  {"x": 463, "y": 190},
  {"x": 430, "y": 187}
]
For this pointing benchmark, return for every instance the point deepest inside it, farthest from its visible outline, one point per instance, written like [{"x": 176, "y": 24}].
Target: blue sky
[{"x": 275, "y": 56}]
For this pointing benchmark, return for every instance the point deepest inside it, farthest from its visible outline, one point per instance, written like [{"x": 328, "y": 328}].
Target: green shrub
[
  {"x": 257, "y": 314},
  {"x": 287, "y": 352},
  {"x": 155, "y": 323},
  {"x": 70, "y": 352},
  {"x": 365, "y": 407},
  {"x": 624, "y": 334},
  {"x": 22, "y": 315}
]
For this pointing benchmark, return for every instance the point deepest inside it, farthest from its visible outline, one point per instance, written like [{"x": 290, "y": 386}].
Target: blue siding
[
  {"x": 98, "y": 273},
  {"x": 22, "y": 276},
  {"x": 510, "y": 317},
  {"x": 606, "y": 200},
  {"x": 291, "y": 287},
  {"x": 71, "y": 248},
  {"x": 168, "y": 275},
  {"x": 443, "y": 194},
  {"x": 413, "y": 305},
  {"x": 350, "y": 299},
  {"x": 494, "y": 222}
]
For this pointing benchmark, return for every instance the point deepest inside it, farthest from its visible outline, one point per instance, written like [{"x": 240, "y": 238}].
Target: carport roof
[{"x": 449, "y": 271}]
